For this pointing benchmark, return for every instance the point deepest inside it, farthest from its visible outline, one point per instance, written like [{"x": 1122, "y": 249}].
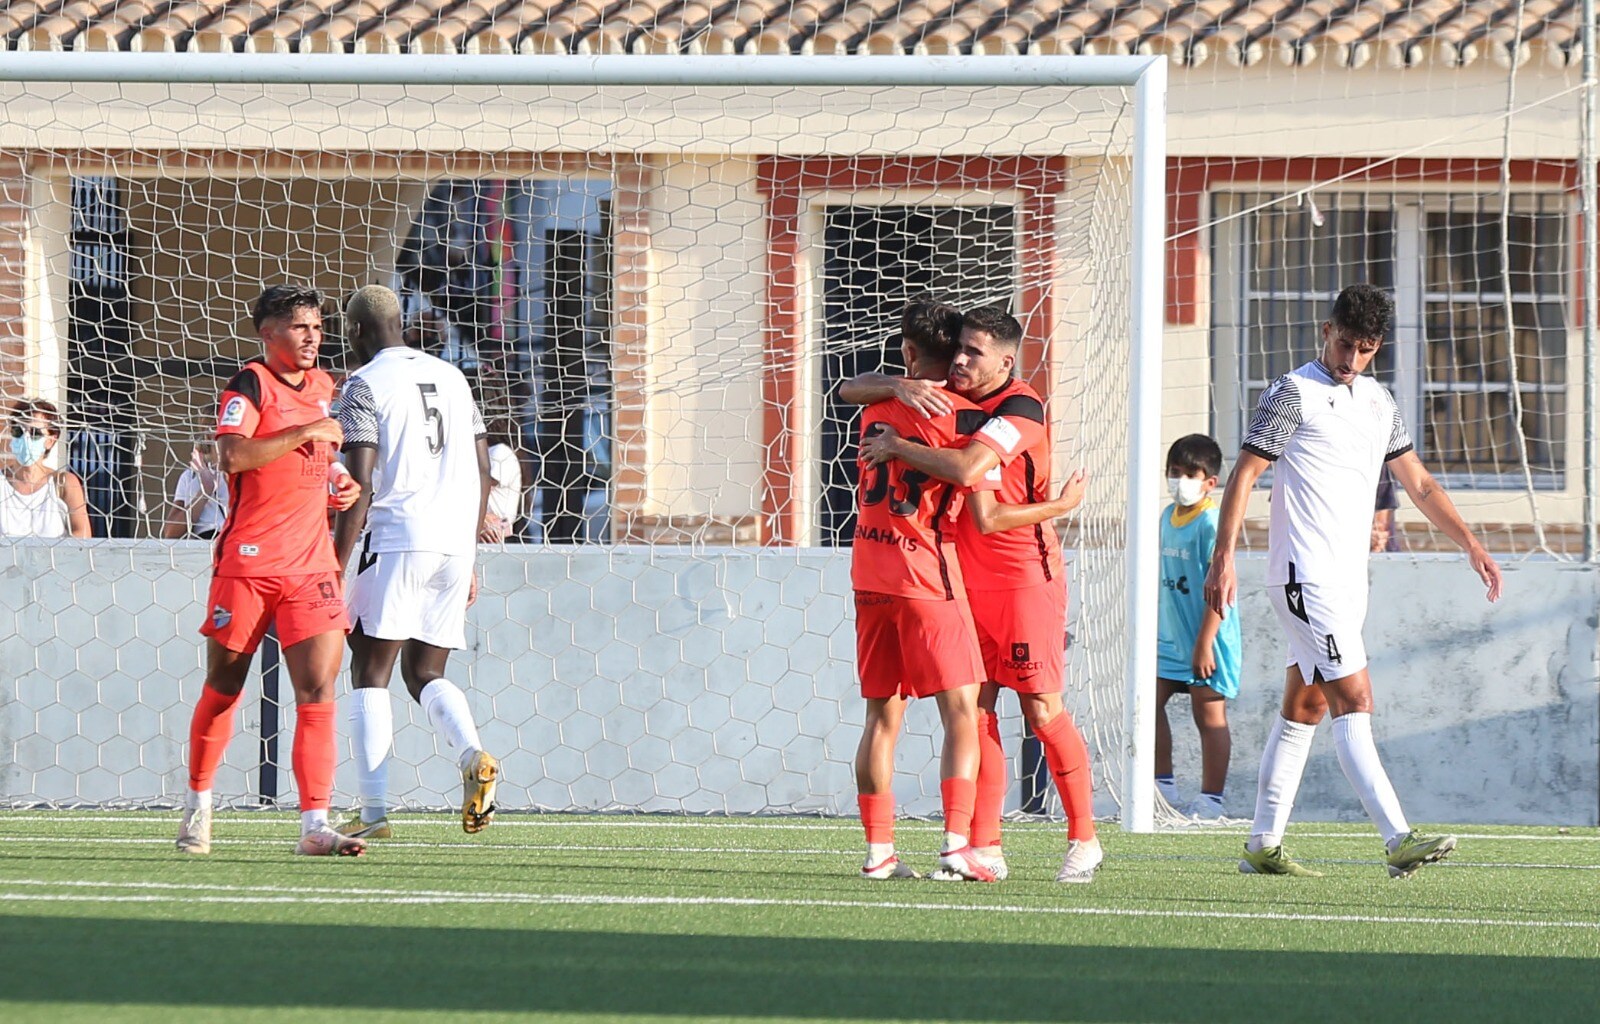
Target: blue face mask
[{"x": 28, "y": 449}]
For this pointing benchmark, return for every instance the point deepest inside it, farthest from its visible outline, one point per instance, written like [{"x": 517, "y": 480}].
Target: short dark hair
[
  {"x": 25, "y": 409},
  {"x": 1363, "y": 311},
  {"x": 1196, "y": 452},
  {"x": 933, "y": 327},
  {"x": 996, "y": 323},
  {"x": 282, "y": 300}
]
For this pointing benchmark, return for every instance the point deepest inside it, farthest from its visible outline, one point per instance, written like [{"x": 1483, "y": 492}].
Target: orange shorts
[
  {"x": 240, "y": 608},
  {"x": 911, "y": 648},
  {"x": 1023, "y": 635}
]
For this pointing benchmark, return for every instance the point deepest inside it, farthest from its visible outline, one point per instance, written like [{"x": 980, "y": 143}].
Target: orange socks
[
  {"x": 959, "y": 796},
  {"x": 314, "y": 755},
  {"x": 1068, "y": 758},
  {"x": 877, "y": 817},
  {"x": 991, "y": 796},
  {"x": 210, "y": 729}
]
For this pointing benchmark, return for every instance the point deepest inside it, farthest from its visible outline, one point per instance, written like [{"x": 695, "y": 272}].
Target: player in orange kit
[
  {"x": 274, "y": 563},
  {"x": 1013, "y": 579},
  {"x": 914, "y": 630}
]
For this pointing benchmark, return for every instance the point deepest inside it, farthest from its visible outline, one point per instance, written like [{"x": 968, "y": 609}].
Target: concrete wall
[{"x": 663, "y": 680}]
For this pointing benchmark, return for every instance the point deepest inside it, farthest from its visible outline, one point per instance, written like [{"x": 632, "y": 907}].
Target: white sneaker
[
  {"x": 962, "y": 865},
  {"x": 1081, "y": 861},
  {"x": 194, "y": 835},
  {"x": 890, "y": 867},
  {"x": 993, "y": 858},
  {"x": 325, "y": 842},
  {"x": 1204, "y": 808}
]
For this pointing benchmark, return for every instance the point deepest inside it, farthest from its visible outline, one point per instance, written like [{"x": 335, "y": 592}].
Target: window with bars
[{"x": 1486, "y": 405}]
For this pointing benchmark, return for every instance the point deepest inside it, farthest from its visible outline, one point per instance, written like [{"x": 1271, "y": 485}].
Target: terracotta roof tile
[{"x": 1346, "y": 33}]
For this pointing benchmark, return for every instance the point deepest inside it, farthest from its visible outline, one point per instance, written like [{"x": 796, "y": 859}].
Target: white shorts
[
  {"x": 412, "y": 595},
  {"x": 1323, "y": 625}
]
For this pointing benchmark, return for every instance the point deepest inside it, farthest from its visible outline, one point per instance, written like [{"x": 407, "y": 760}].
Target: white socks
[
  {"x": 197, "y": 799},
  {"x": 310, "y": 821},
  {"x": 1167, "y": 786},
  {"x": 877, "y": 853},
  {"x": 1358, "y": 756},
  {"x": 372, "y": 733},
  {"x": 954, "y": 841},
  {"x": 1283, "y": 762},
  {"x": 446, "y": 707}
]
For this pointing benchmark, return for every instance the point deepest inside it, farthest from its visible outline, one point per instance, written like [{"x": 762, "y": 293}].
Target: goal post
[{"x": 1144, "y": 77}]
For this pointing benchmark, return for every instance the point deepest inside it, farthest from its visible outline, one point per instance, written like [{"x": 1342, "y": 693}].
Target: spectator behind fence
[
  {"x": 505, "y": 499},
  {"x": 200, "y": 501},
  {"x": 35, "y": 500}
]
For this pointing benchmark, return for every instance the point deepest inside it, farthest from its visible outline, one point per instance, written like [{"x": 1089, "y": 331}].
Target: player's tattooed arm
[
  {"x": 1431, "y": 499},
  {"x": 1222, "y": 582},
  {"x": 961, "y": 466},
  {"x": 927, "y": 397},
  {"x": 992, "y": 516},
  {"x": 358, "y": 460}
]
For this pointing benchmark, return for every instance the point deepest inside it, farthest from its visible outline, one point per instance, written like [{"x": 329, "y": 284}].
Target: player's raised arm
[
  {"x": 991, "y": 516},
  {"x": 965, "y": 467},
  {"x": 927, "y": 397},
  {"x": 239, "y": 453},
  {"x": 1431, "y": 499}
]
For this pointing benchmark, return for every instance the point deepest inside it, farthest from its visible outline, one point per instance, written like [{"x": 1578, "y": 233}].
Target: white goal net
[{"x": 656, "y": 290}]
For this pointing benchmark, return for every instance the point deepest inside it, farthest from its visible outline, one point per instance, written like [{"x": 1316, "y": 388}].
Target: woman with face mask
[{"x": 35, "y": 500}]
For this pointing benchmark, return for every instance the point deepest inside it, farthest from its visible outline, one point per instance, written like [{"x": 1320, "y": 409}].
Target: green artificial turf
[{"x": 653, "y": 918}]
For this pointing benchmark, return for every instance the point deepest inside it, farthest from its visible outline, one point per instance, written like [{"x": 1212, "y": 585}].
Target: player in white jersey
[
  {"x": 414, "y": 438},
  {"x": 1328, "y": 430}
]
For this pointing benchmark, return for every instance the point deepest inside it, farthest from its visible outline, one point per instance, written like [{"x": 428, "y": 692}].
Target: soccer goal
[{"x": 656, "y": 271}]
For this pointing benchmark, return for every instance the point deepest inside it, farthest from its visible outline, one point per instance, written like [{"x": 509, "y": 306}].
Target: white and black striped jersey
[
  {"x": 419, "y": 413},
  {"x": 1329, "y": 442}
]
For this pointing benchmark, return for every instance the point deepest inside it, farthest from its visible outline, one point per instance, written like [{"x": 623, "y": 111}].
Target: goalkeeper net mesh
[{"x": 656, "y": 293}]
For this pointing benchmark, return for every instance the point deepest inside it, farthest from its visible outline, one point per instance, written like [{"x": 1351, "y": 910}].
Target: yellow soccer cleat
[
  {"x": 1273, "y": 861},
  {"x": 478, "y": 783},
  {"x": 355, "y": 828},
  {"x": 1415, "y": 849}
]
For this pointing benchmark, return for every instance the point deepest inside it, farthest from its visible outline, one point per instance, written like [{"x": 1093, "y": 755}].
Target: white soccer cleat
[
  {"x": 890, "y": 867},
  {"x": 962, "y": 865},
  {"x": 1081, "y": 861},
  {"x": 1204, "y": 809},
  {"x": 993, "y": 858},
  {"x": 194, "y": 835},
  {"x": 325, "y": 842}
]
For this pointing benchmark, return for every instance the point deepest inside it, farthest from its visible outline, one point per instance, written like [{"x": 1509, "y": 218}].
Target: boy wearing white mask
[{"x": 1199, "y": 651}]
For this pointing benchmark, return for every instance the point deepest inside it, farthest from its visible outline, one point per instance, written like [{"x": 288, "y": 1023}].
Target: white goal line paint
[{"x": 280, "y": 894}]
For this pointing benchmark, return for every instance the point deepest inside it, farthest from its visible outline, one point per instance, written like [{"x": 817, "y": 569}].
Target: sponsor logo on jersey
[
  {"x": 1181, "y": 584},
  {"x": 1001, "y": 432},
  {"x": 232, "y": 413},
  {"x": 220, "y": 617},
  {"x": 249, "y": 550},
  {"x": 877, "y": 536}
]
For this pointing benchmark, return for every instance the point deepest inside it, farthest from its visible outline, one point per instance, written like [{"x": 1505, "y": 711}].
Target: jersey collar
[{"x": 1182, "y": 519}]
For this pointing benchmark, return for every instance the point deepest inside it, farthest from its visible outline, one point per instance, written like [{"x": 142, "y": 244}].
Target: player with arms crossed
[
  {"x": 1327, "y": 429},
  {"x": 274, "y": 563},
  {"x": 1013, "y": 578},
  {"x": 414, "y": 440}
]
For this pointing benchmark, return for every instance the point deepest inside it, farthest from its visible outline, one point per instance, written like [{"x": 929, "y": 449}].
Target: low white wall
[{"x": 667, "y": 679}]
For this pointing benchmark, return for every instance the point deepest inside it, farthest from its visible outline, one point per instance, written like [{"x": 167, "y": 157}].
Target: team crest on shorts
[
  {"x": 1019, "y": 653},
  {"x": 220, "y": 617}
]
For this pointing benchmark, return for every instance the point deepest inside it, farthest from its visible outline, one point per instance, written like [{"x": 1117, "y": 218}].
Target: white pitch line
[
  {"x": 566, "y": 899},
  {"x": 696, "y": 851}
]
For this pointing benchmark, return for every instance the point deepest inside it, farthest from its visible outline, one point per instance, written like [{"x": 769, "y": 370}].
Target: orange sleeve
[{"x": 237, "y": 415}]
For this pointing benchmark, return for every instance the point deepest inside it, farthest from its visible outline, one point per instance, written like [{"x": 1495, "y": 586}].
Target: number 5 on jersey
[{"x": 435, "y": 418}]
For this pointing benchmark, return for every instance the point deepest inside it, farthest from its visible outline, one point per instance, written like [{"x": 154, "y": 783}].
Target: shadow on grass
[{"x": 257, "y": 965}]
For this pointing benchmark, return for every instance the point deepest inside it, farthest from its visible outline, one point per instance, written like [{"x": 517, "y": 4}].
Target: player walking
[
  {"x": 1328, "y": 429},
  {"x": 1013, "y": 581},
  {"x": 414, "y": 440},
  {"x": 274, "y": 562}
]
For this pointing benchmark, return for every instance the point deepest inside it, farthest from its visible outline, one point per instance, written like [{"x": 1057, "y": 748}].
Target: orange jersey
[
  {"x": 904, "y": 540},
  {"x": 1027, "y": 556},
  {"x": 277, "y": 514}
]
